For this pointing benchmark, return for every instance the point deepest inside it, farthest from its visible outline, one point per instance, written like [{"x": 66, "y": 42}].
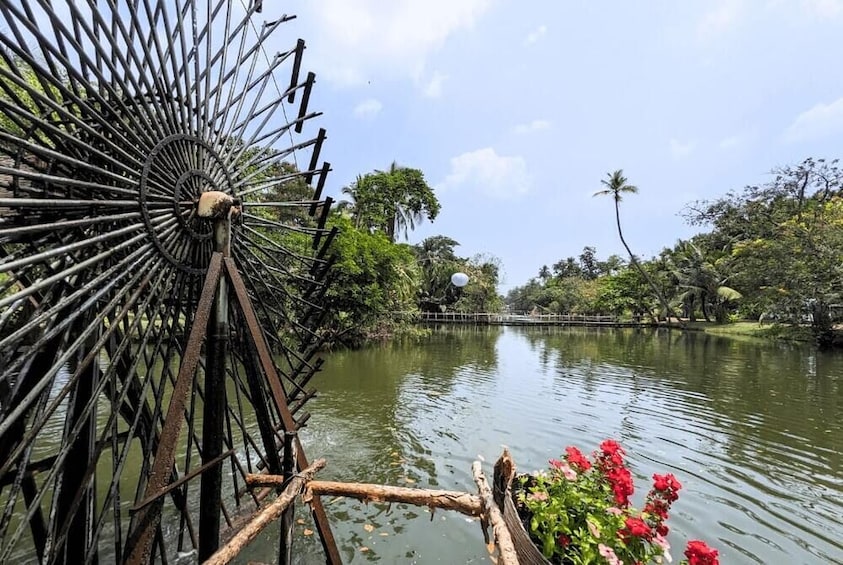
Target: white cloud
[
  {"x": 678, "y": 149},
  {"x": 721, "y": 18},
  {"x": 485, "y": 171},
  {"x": 535, "y": 125},
  {"x": 353, "y": 41},
  {"x": 368, "y": 108},
  {"x": 820, "y": 121},
  {"x": 535, "y": 35},
  {"x": 433, "y": 89}
]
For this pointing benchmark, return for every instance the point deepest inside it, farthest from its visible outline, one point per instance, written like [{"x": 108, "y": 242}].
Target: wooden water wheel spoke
[{"x": 141, "y": 144}]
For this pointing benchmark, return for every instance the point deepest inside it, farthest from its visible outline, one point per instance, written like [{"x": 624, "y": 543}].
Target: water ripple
[{"x": 752, "y": 430}]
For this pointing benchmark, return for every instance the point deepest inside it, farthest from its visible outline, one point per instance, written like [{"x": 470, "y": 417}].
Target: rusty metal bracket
[
  {"x": 280, "y": 398},
  {"x": 139, "y": 544}
]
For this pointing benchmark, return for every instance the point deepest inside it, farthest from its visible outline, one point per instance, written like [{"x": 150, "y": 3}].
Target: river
[{"x": 753, "y": 429}]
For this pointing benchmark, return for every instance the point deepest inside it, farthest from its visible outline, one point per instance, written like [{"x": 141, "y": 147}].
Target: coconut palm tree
[
  {"x": 700, "y": 278},
  {"x": 412, "y": 200},
  {"x": 616, "y": 186},
  {"x": 352, "y": 204},
  {"x": 438, "y": 261}
]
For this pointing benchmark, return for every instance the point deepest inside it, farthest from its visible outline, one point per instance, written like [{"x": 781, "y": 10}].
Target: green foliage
[
  {"x": 773, "y": 251},
  {"x": 700, "y": 278},
  {"x": 439, "y": 261},
  {"x": 579, "y": 511},
  {"x": 574, "y": 287},
  {"x": 783, "y": 243},
  {"x": 22, "y": 93},
  {"x": 372, "y": 277},
  {"x": 480, "y": 294},
  {"x": 623, "y": 293},
  {"x": 391, "y": 201}
]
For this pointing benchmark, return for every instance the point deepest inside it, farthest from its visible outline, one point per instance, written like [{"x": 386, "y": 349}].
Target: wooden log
[
  {"x": 503, "y": 476},
  {"x": 493, "y": 514},
  {"x": 463, "y": 502},
  {"x": 525, "y": 547},
  {"x": 250, "y": 531}
]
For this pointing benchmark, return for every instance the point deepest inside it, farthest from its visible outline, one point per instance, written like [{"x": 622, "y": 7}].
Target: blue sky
[{"x": 516, "y": 110}]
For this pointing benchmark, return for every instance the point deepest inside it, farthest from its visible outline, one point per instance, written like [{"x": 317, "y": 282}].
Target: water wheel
[{"x": 162, "y": 261}]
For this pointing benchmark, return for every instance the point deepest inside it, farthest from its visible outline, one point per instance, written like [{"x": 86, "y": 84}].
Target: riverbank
[{"x": 753, "y": 329}]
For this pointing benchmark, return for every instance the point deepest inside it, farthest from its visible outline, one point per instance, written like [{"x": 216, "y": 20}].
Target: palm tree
[
  {"x": 438, "y": 261},
  {"x": 700, "y": 277},
  {"x": 617, "y": 186},
  {"x": 413, "y": 200},
  {"x": 352, "y": 205}
]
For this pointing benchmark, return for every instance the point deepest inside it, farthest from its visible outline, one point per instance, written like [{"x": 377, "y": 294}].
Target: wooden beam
[
  {"x": 502, "y": 538},
  {"x": 250, "y": 531}
]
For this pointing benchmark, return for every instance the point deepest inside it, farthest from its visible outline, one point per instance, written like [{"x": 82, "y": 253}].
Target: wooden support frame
[{"x": 481, "y": 505}]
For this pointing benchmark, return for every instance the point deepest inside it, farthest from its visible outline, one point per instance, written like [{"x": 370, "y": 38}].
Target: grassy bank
[{"x": 753, "y": 329}]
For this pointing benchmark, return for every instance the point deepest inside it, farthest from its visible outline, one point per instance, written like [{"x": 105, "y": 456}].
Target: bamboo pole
[
  {"x": 493, "y": 514},
  {"x": 250, "y": 531},
  {"x": 463, "y": 502}
]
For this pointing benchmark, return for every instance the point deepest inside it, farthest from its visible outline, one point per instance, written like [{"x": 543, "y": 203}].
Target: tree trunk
[
  {"x": 821, "y": 325},
  {"x": 390, "y": 226},
  {"x": 667, "y": 310}
]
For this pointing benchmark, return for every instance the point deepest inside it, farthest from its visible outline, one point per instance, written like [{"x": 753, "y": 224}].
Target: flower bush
[{"x": 579, "y": 512}]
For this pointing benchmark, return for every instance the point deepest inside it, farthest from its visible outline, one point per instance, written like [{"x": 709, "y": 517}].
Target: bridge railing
[{"x": 501, "y": 318}]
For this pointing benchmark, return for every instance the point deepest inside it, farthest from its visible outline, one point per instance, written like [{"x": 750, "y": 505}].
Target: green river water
[{"x": 753, "y": 429}]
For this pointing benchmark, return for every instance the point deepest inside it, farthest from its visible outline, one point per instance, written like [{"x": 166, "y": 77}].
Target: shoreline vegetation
[
  {"x": 420, "y": 329},
  {"x": 767, "y": 263},
  {"x": 769, "y": 331}
]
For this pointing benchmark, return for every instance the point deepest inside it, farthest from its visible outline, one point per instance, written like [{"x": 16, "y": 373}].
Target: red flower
[
  {"x": 577, "y": 459},
  {"x": 563, "y": 540},
  {"x": 662, "y": 530},
  {"x": 636, "y": 527},
  {"x": 667, "y": 486},
  {"x": 698, "y": 553},
  {"x": 656, "y": 508},
  {"x": 611, "y": 447},
  {"x": 620, "y": 480}
]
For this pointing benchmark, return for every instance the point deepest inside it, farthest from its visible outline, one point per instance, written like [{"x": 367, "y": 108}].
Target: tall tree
[
  {"x": 784, "y": 242},
  {"x": 589, "y": 263},
  {"x": 350, "y": 204},
  {"x": 373, "y": 278},
  {"x": 392, "y": 201},
  {"x": 616, "y": 186},
  {"x": 566, "y": 268}
]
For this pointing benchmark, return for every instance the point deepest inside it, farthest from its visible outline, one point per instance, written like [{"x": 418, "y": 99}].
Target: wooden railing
[{"x": 519, "y": 319}]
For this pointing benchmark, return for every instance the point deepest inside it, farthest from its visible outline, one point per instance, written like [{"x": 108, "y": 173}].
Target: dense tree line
[
  {"x": 378, "y": 282},
  {"x": 772, "y": 251}
]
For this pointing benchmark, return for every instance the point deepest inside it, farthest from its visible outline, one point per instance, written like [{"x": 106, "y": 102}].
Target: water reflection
[{"x": 753, "y": 428}]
